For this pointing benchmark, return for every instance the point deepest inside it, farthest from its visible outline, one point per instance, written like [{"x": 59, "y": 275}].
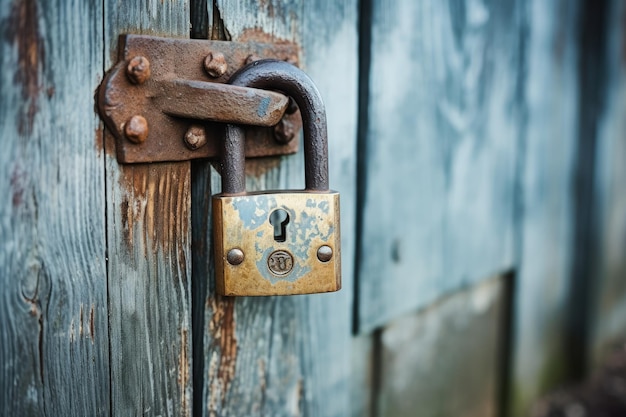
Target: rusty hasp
[{"x": 166, "y": 100}]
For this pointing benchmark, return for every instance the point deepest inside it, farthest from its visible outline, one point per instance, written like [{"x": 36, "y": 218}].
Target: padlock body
[{"x": 271, "y": 267}]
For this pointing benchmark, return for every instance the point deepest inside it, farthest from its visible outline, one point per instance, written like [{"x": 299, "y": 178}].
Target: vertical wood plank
[
  {"x": 608, "y": 319},
  {"x": 545, "y": 213},
  {"x": 148, "y": 213},
  {"x": 54, "y": 343},
  {"x": 444, "y": 361},
  {"x": 444, "y": 121},
  {"x": 289, "y": 356}
]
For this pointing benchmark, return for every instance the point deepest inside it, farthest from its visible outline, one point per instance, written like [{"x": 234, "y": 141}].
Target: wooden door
[{"x": 463, "y": 137}]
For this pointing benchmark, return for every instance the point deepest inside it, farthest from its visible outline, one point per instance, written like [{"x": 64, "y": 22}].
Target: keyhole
[{"x": 279, "y": 219}]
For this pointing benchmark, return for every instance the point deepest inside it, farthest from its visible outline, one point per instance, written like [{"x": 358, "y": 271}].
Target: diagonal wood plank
[
  {"x": 54, "y": 342},
  {"x": 149, "y": 238}
]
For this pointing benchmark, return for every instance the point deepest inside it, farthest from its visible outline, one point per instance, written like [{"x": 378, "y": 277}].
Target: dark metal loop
[{"x": 281, "y": 76}]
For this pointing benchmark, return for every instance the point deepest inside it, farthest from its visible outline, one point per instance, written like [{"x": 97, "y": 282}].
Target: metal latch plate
[{"x": 182, "y": 59}]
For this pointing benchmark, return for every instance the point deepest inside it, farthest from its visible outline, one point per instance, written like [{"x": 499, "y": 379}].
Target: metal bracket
[{"x": 163, "y": 98}]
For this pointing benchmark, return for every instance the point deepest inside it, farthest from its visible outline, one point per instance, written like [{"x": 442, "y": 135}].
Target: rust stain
[
  {"x": 99, "y": 139},
  {"x": 22, "y": 29},
  {"x": 183, "y": 371},
  {"x": 257, "y": 34},
  {"x": 156, "y": 199},
  {"x": 92, "y": 333},
  {"x": 18, "y": 185},
  {"x": 222, "y": 328},
  {"x": 80, "y": 321}
]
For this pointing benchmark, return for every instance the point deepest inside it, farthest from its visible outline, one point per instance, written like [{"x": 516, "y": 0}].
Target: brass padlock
[{"x": 258, "y": 251}]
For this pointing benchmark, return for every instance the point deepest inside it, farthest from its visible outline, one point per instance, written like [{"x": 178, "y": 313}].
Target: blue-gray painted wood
[
  {"x": 149, "y": 249},
  {"x": 547, "y": 161},
  {"x": 289, "y": 356},
  {"x": 54, "y": 342},
  {"x": 440, "y": 153},
  {"x": 608, "y": 319}
]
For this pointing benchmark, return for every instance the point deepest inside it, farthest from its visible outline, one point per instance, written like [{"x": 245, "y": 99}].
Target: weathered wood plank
[
  {"x": 545, "y": 213},
  {"x": 364, "y": 370},
  {"x": 444, "y": 361},
  {"x": 289, "y": 356},
  {"x": 54, "y": 349},
  {"x": 440, "y": 152},
  {"x": 609, "y": 302},
  {"x": 148, "y": 219}
]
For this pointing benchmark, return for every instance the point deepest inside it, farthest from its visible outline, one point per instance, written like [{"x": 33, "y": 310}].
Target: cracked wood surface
[
  {"x": 149, "y": 238},
  {"x": 284, "y": 356},
  {"x": 54, "y": 342}
]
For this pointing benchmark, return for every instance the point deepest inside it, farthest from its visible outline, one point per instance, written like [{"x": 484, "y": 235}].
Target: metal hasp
[
  {"x": 167, "y": 99},
  {"x": 278, "y": 242}
]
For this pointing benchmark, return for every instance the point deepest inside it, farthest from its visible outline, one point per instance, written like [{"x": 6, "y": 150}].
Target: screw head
[
  {"x": 235, "y": 256},
  {"x": 284, "y": 131},
  {"x": 136, "y": 129},
  {"x": 324, "y": 253},
  {"x": 215, "y": 64},
  {"x": 195, "y": 137},
  {"x": 138, "y": 70}
]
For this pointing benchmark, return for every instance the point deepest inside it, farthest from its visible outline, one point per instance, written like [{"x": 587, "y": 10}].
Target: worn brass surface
[{"x": 243, "y": 222}]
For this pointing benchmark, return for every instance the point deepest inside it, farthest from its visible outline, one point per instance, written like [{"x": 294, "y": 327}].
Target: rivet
[
  {"x": 324, "y": 253},
  {"x": 138, "y": 70},
  {"x": 215, "y": 64},
  {"x": 284, "y": 131},
  {"x": 195, "y": 137},
  {"x": 235, "y": 256},
  {"x": 136, "y": 129}
]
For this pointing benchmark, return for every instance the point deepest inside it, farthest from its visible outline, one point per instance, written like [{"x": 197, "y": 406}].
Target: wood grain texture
[
  {"x": 54, "y": 343},
  {"x": 288, "y": 356},
  {"x": 149, "y": 239},
  {"x": 444, "y": 360},
  {"x": 444, "y": 122},
  {"x": 609, "y": 302},
  {"x": 545, "y": 212}
]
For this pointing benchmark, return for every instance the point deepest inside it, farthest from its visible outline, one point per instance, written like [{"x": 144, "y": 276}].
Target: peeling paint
[{"x": 222, "y": 365}]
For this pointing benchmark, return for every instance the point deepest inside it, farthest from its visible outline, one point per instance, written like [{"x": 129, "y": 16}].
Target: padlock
[{"x": 278, "y": 242}]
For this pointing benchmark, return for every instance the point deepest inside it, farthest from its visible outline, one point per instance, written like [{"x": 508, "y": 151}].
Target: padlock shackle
[{"x": 281, "y": 76}]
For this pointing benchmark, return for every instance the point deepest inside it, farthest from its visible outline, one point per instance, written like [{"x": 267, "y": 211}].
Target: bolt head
[
  {"x": 195, "y": 137},
  {"x": 324, "y": 253},
  {"x": 136, "y": 129},
  {"x": 235, "y": 256},
  {"x": 138, "y": 70},
  {"x": 215, "y": 64},
  {"x": 285, "y": 131}
]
